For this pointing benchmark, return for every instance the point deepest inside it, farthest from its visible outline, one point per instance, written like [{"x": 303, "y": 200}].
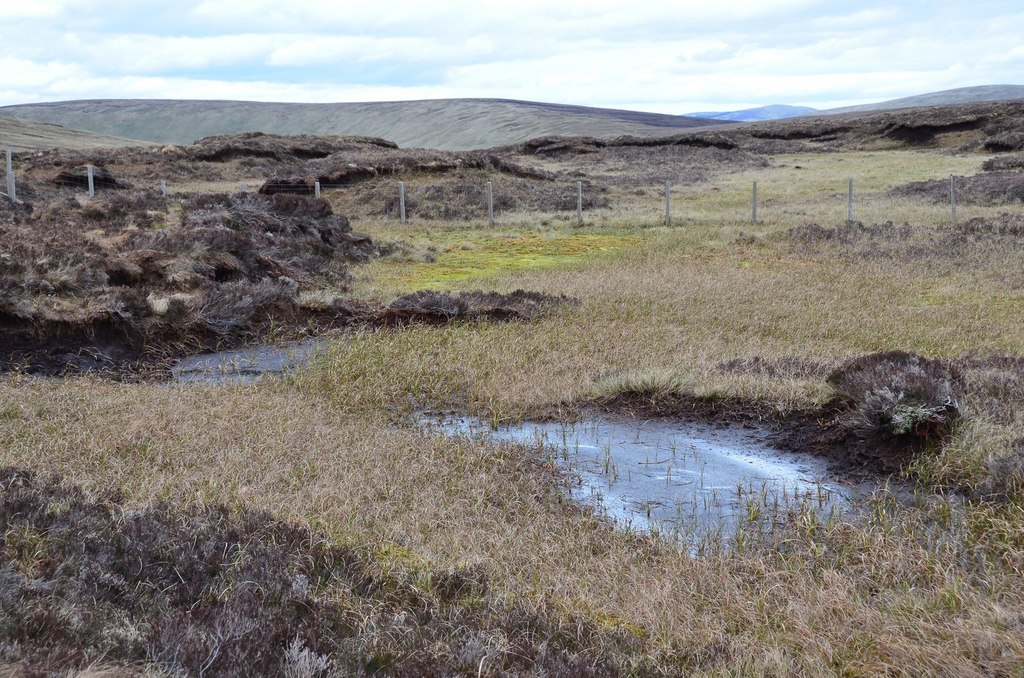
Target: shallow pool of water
[
  {"x": 673, "y": 477},
  {"x": 245, "y": 365}
]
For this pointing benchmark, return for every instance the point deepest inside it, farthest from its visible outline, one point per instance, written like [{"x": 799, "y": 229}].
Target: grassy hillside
[
  {"x": 446, "y": 124},
  {"x": 961, "y": 95},
  {"x": 24, "y": 135}
]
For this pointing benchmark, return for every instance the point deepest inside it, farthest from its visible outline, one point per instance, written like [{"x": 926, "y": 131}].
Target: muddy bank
[
  {"x": 440, "y": 307},
  {"x": 249, "y": 364},
  {"x": 887, "y": 408},
  {"x": 997, "y": 187},
  {"x": 129, "y": 276},
  {"x": 235, "y": 349}
]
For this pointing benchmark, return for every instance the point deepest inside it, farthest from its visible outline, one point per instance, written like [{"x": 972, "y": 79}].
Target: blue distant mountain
[{"x": 773, "y": 112}]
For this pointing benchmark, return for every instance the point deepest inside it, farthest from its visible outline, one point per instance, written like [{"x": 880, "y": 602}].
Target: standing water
[
  {"x": 245, "y": 365},
  {"x": 672, "y": 478}
]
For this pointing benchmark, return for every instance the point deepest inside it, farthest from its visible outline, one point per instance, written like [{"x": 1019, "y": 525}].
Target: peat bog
[{"x": 229, "y": 475}]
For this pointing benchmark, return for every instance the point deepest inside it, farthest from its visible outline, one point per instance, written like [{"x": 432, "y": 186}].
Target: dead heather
[
  {"x": 207, "y": 590},
  {"x": 1001, "y": 187}
]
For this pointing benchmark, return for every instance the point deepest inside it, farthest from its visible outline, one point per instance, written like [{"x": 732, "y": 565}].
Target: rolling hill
[
  {"x": 25, "y": 135},
  {"x": 771, "y": 112},
  {"x": 446, "y": 124},
  {"x": 949, "y": 97}
]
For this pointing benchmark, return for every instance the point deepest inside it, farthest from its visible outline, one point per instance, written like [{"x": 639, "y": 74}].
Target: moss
[{"x": 468, "y": 258}]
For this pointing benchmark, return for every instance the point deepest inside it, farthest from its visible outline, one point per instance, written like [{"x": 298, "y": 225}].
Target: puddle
[
  {"x": 245, "y": 365},
  {"x": 686, "y": 480}
]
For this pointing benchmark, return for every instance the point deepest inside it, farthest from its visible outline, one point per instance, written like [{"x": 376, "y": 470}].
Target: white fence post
[
  {"x": 490, "y": 204},
  {"x": 12, "y": 190},
  {"x": 401, "y": 200},
  {"x": 849, "y": 203},
  {"x": 579, "y": 202},
  {"x": 316, "y": 189},
  {"x": 92, "y": 183},
  {"x": 952, "y": 197},
  {"x": 668, "y": 203},
  {"x": 241, "y": 187},
  {"x": 753, "y": 205},
  {"x": 163, "y": 187}
]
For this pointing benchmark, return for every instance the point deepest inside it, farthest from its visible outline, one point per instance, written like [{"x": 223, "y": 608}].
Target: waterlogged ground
[
  {"x": 245, "y": 365},
  {"x": 681, "y": 480}
]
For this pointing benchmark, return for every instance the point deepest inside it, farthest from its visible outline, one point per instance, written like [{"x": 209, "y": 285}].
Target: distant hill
[
  {"x": 24, "y": 135},
  {"x": 961, "y": 95},
  {"x": 771, "y": 112},
  {"x": 447, "y": 124}
]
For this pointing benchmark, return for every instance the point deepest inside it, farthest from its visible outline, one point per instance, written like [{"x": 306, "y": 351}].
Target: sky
[{"x": 661, "y": 56}]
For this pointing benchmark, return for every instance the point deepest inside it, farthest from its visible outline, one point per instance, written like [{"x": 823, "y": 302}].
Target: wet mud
[{"x": 887, "y": 409}]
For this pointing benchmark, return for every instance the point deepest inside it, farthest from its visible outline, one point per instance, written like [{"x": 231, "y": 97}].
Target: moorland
[{"x": 306, "y": 525}]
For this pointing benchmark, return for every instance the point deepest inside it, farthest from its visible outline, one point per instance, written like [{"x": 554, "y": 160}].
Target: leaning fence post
[
  {"x": 12, "y": 190},
  {"x": 753, "y": 205},
  {"x": 163, "y": 188},
  {"x": 401, "y": 200},
  {"x": 92, "y": 184},
  {"x": 316, "y": 189},
  {"x": 490, "y": 204},
  {"x": 952, "y": 197},
  {"x": 579, "y": 202},
  {"x": 668, "y": 203},
  {"x": 849, "y": 203}
]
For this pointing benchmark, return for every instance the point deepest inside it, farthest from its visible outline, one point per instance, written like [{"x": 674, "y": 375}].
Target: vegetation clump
[
  {"x": 207, "y": 591},
  {"x": 433, "y": 307},
  {"x": 897, "y": 397}
]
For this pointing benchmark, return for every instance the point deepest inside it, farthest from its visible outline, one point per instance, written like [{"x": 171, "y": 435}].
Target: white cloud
[
  {"x": 321, "y": 49},
  {"x": 33, "y": 9},
  {"x": 673, "y": 57}
]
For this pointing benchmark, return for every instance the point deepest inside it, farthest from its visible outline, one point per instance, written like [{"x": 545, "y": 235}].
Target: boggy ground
[{"x": 772, "y": 322}]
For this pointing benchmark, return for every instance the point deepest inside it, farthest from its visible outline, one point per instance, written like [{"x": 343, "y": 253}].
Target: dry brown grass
[{"x": 870, "y": 598}]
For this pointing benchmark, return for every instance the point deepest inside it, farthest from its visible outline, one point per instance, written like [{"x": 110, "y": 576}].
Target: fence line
[
  {"x": 755, "y": 214},
  {"x": 579, "y": 202},
  {"x": 401, "y": 200},
  {"x": 490, "y": 204},
  {"x": 952, "y": 198},
  {"x": 93, "y": 182},
  {"x": 753, "y": 205}
]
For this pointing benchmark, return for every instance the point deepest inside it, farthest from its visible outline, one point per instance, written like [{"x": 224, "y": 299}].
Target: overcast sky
[{"x": 671, "y": 57}]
